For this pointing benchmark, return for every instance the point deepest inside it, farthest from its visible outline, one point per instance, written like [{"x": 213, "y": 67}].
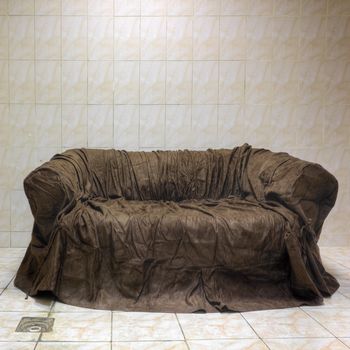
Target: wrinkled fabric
[{"x": 178, "y": 231}]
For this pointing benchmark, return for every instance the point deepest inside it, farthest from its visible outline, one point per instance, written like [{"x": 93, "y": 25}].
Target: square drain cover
[{"x": 35, "y": 324}]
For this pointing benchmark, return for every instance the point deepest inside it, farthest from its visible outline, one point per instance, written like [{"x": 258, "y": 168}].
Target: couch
[{"x": 178, "y": 231}]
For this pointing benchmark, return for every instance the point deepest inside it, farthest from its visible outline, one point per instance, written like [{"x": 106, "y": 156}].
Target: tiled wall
[{"x": 168, "y": 74}]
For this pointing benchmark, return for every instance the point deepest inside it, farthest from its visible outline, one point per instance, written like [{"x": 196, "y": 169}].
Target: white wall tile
[
  {"x": 309, "y": 119},
  {"x": 258, "y": 82},
  {"x": 336, "y": 79},
  {"x": 20, "y": 239},
  {"x": 206, "y": 38},
  {"x": 48, "y": 125},
  {"x": 231, "y": 126},
  {"x": 179, "y": 38},
  {"x": 313, "y": 7},
  {"x": 179, "y": 82},
  {"x": 152, "y": 124},
  {"x": 155, "y": 74},
  {"x": 259, "y": 37},
  {"x": 260, "y": 7},
  {"x": 127, "y": 7},
  {"x": 5, "y": 210},
  {"x": 153, "y": 7},
  {"x": 205, "y": 82},
  {"x": 204, "y": 127},
  {"x": 21, "y": 7},
  {"x": 5, "y": 239},
  {"x": 287, "y": 7},
  {"x": 22, "y": 125},
  {"x": 100, "y": 7},
  {"x": 337, "y": 126},
  {"x": 206, "y": 7},
  {"x": 180, "y": 7},
  {"x": 153, "y": 38},
  {"x": 100, "y": 38},
  {"x": 21, "y": 217},
  {"x": 152, "y": 82},
  {"x": 48, "y": 82},
  {"x": 338, "y": 38},
  {"x": 231, "y": 82},
  {"x": 233, "y": 43},
  {"x": 74, "y": 126},
  {"x": 74, "y": 82},
  {"x": 76, "y": 7},
  {"x": 312, "y": 34},
  {"x": 284, "y": 127},
  {"x": 4, "y": 82},
  {"x": 3, "y": 7},
  {"x": 178, "y": 126},
  {"x": 22, "y": 82},
  {"x": 339, "y": 7},
  {"x": 285, "y": 82},
  {"x": 4, "y": 37},
  {"x": 285, "y": 38},
  {"x": 127, "y": 82},
  {"x": 74, "y": 37},
  {"x": 21, "y": 37},
  {"x": 5, "y": 129},
  {"x": 48, "y": 37},
  {"x": 100, "y": 126},
  {"x": 126, "y": 126},
  {"x": 127, "y": 38},
  {"x": 100, "y": 82},
  {"x": 312, "y": 82},
  {"x": 47, "y": 7}
]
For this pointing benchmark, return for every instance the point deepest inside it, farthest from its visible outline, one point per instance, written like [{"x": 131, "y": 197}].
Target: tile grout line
[
  {"x": 183, "y": 334},
  {"x": 254, "y": 330},
  {"x": 111, "y": 341},
  {"x": 113, "y": 82},
  {"x": 324, "y": 327},
  {"x": 87, "y": 75},
  {"x": 61, "y": 85},
  {"x": 139, "y": 107},
  {"x": 166, "y": 75}
]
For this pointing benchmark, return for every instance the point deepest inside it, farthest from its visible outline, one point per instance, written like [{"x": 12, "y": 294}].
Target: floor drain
[{"x": 35, "y": 324}]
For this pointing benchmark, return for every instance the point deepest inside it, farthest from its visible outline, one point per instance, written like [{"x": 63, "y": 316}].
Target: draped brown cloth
[{"x": 178, "y": 231}]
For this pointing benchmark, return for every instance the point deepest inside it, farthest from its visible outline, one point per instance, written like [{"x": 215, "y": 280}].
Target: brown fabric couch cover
[{"x": 180, "y": 231}]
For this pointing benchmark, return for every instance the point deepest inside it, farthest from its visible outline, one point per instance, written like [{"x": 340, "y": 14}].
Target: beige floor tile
[
  {"x": 284, "y": 323},
  {"x": 150, "y": 345},
  {"x": 345, "y": 291},
  {"x": 305, "y": 344},
  {"x": 17, "y": 345},
  {"x": 60, "y": 307},
  {"x": 340, "y": 255},
  {"x": 215, "y": 326},
  {"x": 14, "y": 300},
  {"x": 335, "y": 320},
  {"x": 5, "y": 278},
  {"x": 346, "y": 341},
  {"x": 138, "y": 326},
  {"x": 12, "y": 252},
  {"x": 251, "y": 344},
  {"x": 73, "y": 346},
  {"x": 75, "y": 326},
  {"x": 9, "y": 322}
]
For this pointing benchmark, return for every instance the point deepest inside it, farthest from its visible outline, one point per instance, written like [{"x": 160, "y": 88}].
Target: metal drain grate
[{"x": 35, "y": 324}]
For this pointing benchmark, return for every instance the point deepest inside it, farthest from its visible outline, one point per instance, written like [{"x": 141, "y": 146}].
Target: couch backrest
[{"x": 161, "y": 175}]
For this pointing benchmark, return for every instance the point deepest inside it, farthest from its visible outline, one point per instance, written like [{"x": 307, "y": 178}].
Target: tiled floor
[{"x": 323, "y": 327}]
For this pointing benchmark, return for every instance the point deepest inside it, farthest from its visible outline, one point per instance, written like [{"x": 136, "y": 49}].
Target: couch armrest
[
  {"x": 304, "y": 187},
  {"x": 52, "y": 187}
]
